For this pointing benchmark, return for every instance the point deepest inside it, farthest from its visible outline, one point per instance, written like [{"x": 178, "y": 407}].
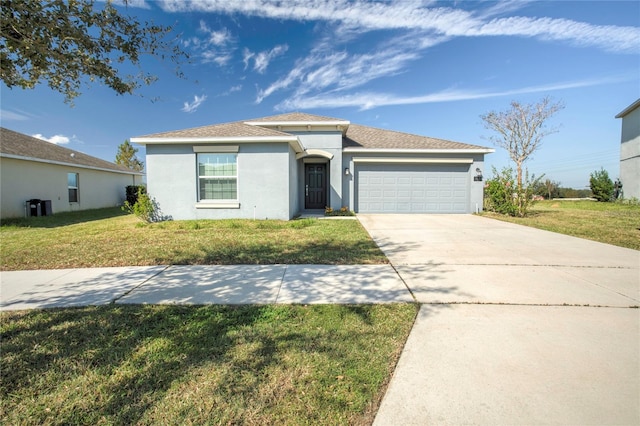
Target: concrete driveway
[{"x": 518, "y": 326}]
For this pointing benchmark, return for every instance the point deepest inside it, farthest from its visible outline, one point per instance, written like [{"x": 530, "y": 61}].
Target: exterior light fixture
[
  {"x": 478, "y": 176},
  {"x": 347, "y": 172}
]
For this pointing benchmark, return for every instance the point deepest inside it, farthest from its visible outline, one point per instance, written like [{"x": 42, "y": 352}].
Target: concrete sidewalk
[{"x": 214, "y": 284}]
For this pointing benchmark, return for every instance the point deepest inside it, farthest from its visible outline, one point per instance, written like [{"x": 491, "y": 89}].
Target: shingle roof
[
  {"x": 357, "y": 136},
  {"x": 295, "y": 116},
  {"x": 20, "y": 145},
  {"x": 234, "y": 129},
  {"x": 373, "y": 138}
]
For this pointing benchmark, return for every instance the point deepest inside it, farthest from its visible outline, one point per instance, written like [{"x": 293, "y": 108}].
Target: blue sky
[{"x": 429, "y": 68}]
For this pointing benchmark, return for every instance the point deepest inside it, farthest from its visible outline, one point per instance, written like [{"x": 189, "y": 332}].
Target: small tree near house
[
  {"x": 601, "y": 185},
  {"x": 520, "y": 131},
  {"x": 126, "y": 156}
]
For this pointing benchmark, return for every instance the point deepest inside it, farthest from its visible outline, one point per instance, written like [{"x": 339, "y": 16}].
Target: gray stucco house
[
  {"x": 630, "y": 150},
  {"x": 278, "y": 167}
]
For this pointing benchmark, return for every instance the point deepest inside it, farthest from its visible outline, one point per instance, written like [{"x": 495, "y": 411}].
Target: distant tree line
[{"x": 550, "y": 189}]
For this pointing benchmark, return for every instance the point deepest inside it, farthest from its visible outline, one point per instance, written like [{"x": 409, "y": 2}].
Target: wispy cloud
[
  {"x": 262, "y": 59},
  {"x": 216, "y": 46},
  {"x": 363, "y": 16},
  {"x": 369, "y": 100},
  {"x": 190, "y": 107},
  {"x": 6, "y": 115},
  {"x": 328, "y": 76},
  {"x": 231, "y": 90},
  {"x": 55, "y": 139},
  {"x": 327, "y": 70}
]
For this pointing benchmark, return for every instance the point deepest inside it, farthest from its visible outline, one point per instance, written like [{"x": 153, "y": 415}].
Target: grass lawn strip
[
  {"x": 323, "y": 364},
  {"x": 107, "y": 237},
  {"x": 610, "y": 223}
]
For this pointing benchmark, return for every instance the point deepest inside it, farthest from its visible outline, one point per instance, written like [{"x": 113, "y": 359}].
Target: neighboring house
[
  {"x": 630, "y": 151},
  {"x": 277, "y": 167},
  {"x": 31, "y": 168}
]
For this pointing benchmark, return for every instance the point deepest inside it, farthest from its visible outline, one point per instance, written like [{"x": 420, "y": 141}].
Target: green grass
[
  {"x": 611, "y": 223},
  {"x": 289, "y": 365},
  {"x": 107, "y": 237}
]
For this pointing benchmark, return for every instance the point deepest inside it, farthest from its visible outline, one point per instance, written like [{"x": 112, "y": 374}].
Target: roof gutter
[{"x": 418, "y": 151}]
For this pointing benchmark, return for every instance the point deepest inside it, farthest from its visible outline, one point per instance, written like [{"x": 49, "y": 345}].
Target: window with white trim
[
  {"x": 217, "y": 177},
  {"x": 72, "y": 185}
]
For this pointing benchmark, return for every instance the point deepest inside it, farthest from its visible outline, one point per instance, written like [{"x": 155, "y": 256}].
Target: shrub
[
  {"x": 132, "y": 193},
  {"x": 144, "y": 207},
  {"x": 601, "y": 185},
  {"x": 502, "y": 194}
]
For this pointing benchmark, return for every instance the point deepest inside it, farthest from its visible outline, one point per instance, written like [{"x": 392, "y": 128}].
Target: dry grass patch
[
  {"x": 199, "y": 364},
  {"x": 107, "y": 237}
]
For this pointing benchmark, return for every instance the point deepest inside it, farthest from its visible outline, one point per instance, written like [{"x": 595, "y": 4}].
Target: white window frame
[
  {"x": 217, "y": 203},
  {"x": 75, "y": 188}
]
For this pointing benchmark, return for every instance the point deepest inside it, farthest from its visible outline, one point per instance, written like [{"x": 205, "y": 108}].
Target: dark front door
[{"x": 315, "y": 186}]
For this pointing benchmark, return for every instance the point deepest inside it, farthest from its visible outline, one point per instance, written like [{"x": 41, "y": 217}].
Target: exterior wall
[
  {"x": 294, "y": 198},
  {"x": 332, "y": 143},
  {"x": 263, "y": 182},
  {"x": 630, "y": 154},
  {"x": 22, "y": 180},
  {"x": 476, "y": 188}
]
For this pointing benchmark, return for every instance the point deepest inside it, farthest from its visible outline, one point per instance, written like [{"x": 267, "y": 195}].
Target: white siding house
[{"x": 34, "y": 169}]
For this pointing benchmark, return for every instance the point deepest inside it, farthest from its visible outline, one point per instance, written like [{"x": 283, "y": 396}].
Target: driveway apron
[{"x": 517, "y": 326}]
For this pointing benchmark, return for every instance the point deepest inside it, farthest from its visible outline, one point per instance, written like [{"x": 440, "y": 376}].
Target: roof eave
[
  {"x": 338, "y": 125},
  {"x": 292, "y": 140},
  {"x": 628, "y": 109},
  {"x": 420, "y": 151},
  {"x": 62, "y": 163}
]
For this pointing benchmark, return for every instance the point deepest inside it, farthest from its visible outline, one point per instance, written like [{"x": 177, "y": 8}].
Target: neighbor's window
[
  {"x": 218, "y": 176},
  {"x": 72, "y": 183}
]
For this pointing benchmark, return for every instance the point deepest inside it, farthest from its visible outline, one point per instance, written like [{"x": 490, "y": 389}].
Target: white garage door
[{"x": 412, "y": 188}]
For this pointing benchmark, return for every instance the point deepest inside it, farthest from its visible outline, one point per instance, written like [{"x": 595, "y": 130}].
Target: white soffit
[{"x": 314, "y": 153}]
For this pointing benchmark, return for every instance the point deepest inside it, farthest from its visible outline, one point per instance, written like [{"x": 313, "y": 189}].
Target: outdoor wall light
[
  {"x": 347, "y": 172},
  {"x": 478, "y": 176}
]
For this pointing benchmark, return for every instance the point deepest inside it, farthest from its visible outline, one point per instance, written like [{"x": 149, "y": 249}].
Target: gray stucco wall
[
  {"x": 264, "y": 174},
  {"x": 330, "y": 142},
  {"x": 294, "y": 199},
  {"x": 630, "y": 154},
  {"x": 476, "y": 188},
  {"x": 22, "y": 180}
]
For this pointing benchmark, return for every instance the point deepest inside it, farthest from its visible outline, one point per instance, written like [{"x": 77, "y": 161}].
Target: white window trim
[
  {"x": 77, "y": 188},
  {"x": 218, "y": 204}
]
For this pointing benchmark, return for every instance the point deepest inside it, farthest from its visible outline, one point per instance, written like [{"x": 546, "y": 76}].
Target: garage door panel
[{"x": 412, "y": 188}]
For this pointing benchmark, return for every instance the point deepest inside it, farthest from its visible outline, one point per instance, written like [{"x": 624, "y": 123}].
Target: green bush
[
  {"x": 144, "y": 207},
  {"x": 499, "y": 193},
  {"x": 502, "y": 194},
  {"x": 132, "y": 193},
  {"x": 601, "y": 185}
]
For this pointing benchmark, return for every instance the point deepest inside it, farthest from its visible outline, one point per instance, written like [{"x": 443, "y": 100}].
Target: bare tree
[{"x": 521, "y": 129}]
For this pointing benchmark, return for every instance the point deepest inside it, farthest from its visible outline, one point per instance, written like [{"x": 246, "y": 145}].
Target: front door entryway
[{"x": 315, "y": 186}]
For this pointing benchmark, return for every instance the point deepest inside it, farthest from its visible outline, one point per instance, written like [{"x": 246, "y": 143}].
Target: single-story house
[
  {"x": 278, "y": 167},
  {"x": 630, "y": 150},
  {"x": 33, "y": 169}
]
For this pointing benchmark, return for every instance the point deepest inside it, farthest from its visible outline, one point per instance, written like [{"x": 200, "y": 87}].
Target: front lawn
[
  {"x": 149, "y": 364},
  {"x": 107, "y": 237},
  {"x": 610, "y": 223}
]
